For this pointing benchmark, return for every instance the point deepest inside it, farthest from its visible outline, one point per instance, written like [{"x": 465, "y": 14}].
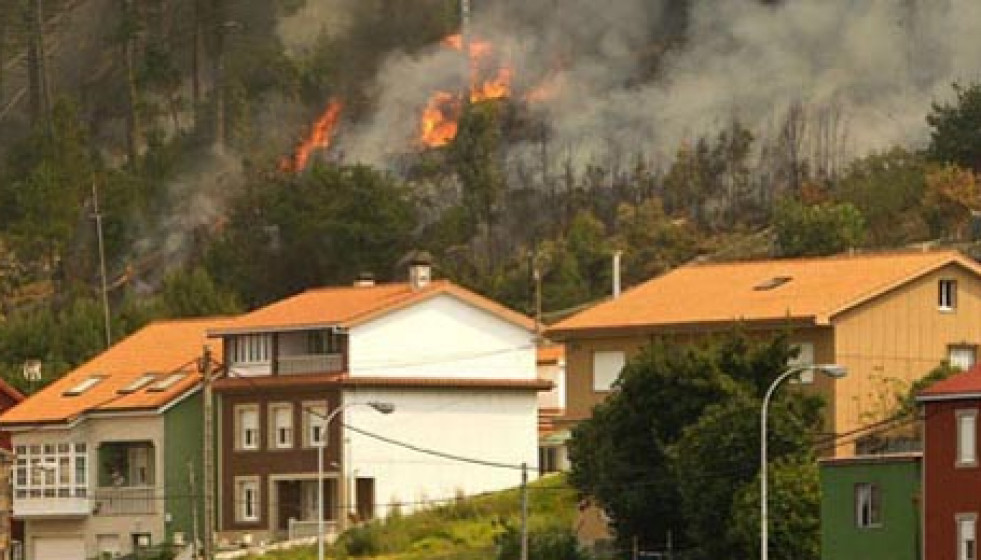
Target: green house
[{"x": 870, "y": 507}]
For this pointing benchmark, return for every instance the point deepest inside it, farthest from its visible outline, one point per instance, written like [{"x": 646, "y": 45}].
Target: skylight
[
  {"x": 138, "y": 383},
  {"x": 772, "y": 283},
  {"x": 84, "y": 386},
  {"x": 166, "y": 382}
]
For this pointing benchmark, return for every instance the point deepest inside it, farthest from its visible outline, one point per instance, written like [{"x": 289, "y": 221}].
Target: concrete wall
[
  {"x": 498, "y": 426},
  {"x": 442, "y": 337},
  {"x": 93, "y": 432}
]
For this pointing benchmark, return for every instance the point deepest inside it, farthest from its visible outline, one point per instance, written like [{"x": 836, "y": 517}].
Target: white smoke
[{"x": 876, "y": 65}]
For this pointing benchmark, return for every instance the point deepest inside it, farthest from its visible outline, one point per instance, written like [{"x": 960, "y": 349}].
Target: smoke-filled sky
[{"x": 875, "y": 64}]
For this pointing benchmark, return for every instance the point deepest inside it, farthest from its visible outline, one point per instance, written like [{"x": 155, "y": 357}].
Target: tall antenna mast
[{"x": 102, "y": 261}]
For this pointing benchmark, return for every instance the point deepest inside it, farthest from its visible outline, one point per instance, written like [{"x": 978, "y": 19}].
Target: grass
[{"x": 462, "y": 530}]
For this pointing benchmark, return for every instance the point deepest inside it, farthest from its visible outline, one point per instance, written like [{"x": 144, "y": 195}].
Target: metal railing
[
  {"x": 125, "y": 500},
  {"x": 303, "y": 529},
  {"x": 300, "y": 364}
]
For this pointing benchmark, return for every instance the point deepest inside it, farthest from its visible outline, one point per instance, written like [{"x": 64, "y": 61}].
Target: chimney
[
  {"x": 420, "y": 270},
  {"x": 365, "y": 280},
  {"x": 616, "y": 273}
]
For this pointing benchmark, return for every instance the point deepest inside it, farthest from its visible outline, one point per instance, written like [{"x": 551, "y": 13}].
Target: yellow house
[{"x": 888, "y": 317}]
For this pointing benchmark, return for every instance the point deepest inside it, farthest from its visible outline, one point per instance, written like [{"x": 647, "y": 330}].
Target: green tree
[
  {"x": 194, "y": 294},
  {"x": 794, "y": 514},
  {"x": 955, "y": 135},
  {"x": 820, "y": 229}
]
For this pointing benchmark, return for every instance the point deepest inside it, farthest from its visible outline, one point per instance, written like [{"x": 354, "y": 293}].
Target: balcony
[
  {"x": 300, "y": 364},
  {"x": 51, "y": 507},
  {"x": 130, "y": 500}
]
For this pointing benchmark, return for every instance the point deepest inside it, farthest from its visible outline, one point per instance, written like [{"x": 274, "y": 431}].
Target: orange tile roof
[
  {"x": 352, "y": 305},
  {"x": 550, "y": 354},
  {"x": 161, "y": 347},
  {"x": 817, "y": 290}
]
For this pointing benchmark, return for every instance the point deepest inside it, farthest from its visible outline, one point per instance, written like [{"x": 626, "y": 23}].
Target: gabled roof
[
  {"x": 160, "y": 348},
  {"x": 812, "y": 290},
  {"x": 964, "y": 385},
  {"x": 353, "y": 305}
]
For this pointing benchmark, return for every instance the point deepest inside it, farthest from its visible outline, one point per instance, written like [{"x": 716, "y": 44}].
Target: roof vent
[
  {"x": 365, "y": 280},
  {"x": 772, "y": 283}
]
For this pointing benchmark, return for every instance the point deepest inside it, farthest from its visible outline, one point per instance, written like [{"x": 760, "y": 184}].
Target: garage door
[{"x": 59, "y": 548}]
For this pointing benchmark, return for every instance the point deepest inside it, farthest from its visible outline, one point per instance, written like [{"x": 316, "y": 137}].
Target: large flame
[
  {"x": 319, "y": 138},
  {"x": 441, "y": 115}
]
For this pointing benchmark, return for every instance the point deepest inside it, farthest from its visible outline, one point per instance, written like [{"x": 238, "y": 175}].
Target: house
[
  {"x": 552, "y": 435},
  {"x": 888, "y": 317},
  {"x": 458, "y": 368},
  {"x": 108, "y": 457},
  {"x": 11, "y": 532},
  {"x": 951, "y": 475},
  {"x": 870, "y": 507}
]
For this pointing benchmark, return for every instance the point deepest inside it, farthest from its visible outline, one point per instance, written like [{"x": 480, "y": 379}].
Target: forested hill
[{"x": 236, "y": 151}]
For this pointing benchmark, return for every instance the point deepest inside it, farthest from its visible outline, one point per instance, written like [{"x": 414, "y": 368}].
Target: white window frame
[
  {"x": 51, "y": 470},
  {"x": 242, "y": 431},
  {"x": 314, "y": 416},
  {"x": 947, "y": 294},
  {"x": 248, "y": 500},
  {"x": 607, "y": 367},
  {"x": 251, "y": 349},
  {"x": 966, "y": 532},
  {"x": 276, "y": 429},
  {"x": 868, "y": 505},
  {"x": 967, "y": 454},
  {"x": 805, "y": 357},
  {"x": 968, "y": 351}
]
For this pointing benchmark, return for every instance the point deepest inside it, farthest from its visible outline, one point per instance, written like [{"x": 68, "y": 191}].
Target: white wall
[
  {"x": 442, "y": 337},
  {"x": 499, "y": 426},
  {"x": 555, "y": 397}
]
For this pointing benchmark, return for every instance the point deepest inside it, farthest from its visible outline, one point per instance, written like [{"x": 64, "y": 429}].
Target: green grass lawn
[{"x": 462, "y": 530}]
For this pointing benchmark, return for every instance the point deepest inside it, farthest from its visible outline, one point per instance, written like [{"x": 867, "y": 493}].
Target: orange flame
[
  {"x": 319, "y": 137},
  {"x": 441, "y": 115}
]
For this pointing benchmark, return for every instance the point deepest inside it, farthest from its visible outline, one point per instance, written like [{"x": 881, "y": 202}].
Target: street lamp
[
  {"x": 382, "y": 407},
  {"x": 833, "y": 371}
]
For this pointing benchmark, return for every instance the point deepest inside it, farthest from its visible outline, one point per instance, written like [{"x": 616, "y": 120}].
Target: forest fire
[
  {"x": 319, "y": 138},
  {"x": 441, "y": 116}
]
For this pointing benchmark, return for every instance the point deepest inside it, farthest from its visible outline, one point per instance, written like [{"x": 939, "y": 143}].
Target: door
[{"x": 59, "y": 548}]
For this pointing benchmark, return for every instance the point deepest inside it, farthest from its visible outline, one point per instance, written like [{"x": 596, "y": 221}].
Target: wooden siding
[{"x": 893, "y": 340}]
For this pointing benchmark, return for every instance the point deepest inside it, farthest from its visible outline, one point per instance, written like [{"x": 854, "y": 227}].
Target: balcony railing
[
  {"x": 299, "y": 364},
  {"x": 74, "y": 506},
  {"x": 127, "y": 500}
]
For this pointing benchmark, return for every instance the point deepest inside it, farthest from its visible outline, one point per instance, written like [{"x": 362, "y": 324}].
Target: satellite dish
[{"x": 32, "y": 370}]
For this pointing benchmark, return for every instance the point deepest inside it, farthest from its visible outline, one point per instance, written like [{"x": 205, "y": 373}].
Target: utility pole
[
  {"x": 102, "y": 262},
  {"x": 209, "y": 471},
  {"x": 465, "y": 39},
  {"x": 524, "y": 511},
  {"x": 40, "y": 100},
  {"x": 194, "y": 511}
]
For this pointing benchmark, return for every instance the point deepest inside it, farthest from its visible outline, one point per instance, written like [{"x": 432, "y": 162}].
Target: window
[
  {"x": 967, "y": 426},
  {"x": 967, "y": 536},
  {"x": 166, "y": 382},
  {"x": 548, "y": 460},
  {"x": 606, "y": 369},
  {"x": 772, "y": 283},
  {"x": 281, "y": 425},
  {"x": 805, "y": 357},
  {"x": 137, "y": 384},
  {"x": 83, "y": 386},
  {"x": 50, "y": 471},
  {"x": 327, "y": 341},
  {"x": 947, "y": 295},
  {"x": 251, "y": 349},
  {"x": 247, "y": 499},
  {"x": 962, "y": 357},
  {"x": 868, "y": 506},
  {"x": 314, "y": 416},
  {"x": 247, "y": 426}
]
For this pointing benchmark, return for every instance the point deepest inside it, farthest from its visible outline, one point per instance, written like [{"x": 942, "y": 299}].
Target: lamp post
[
  {"x": 834, "y": 371},
  {"x": 382, "y": 407}
]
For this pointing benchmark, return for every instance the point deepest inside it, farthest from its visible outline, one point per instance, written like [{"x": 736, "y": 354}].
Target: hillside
[{"x": 240, "y": 151}]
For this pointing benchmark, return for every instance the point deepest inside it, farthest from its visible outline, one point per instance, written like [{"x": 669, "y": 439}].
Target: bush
[{"x": 551, "y": 543}]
